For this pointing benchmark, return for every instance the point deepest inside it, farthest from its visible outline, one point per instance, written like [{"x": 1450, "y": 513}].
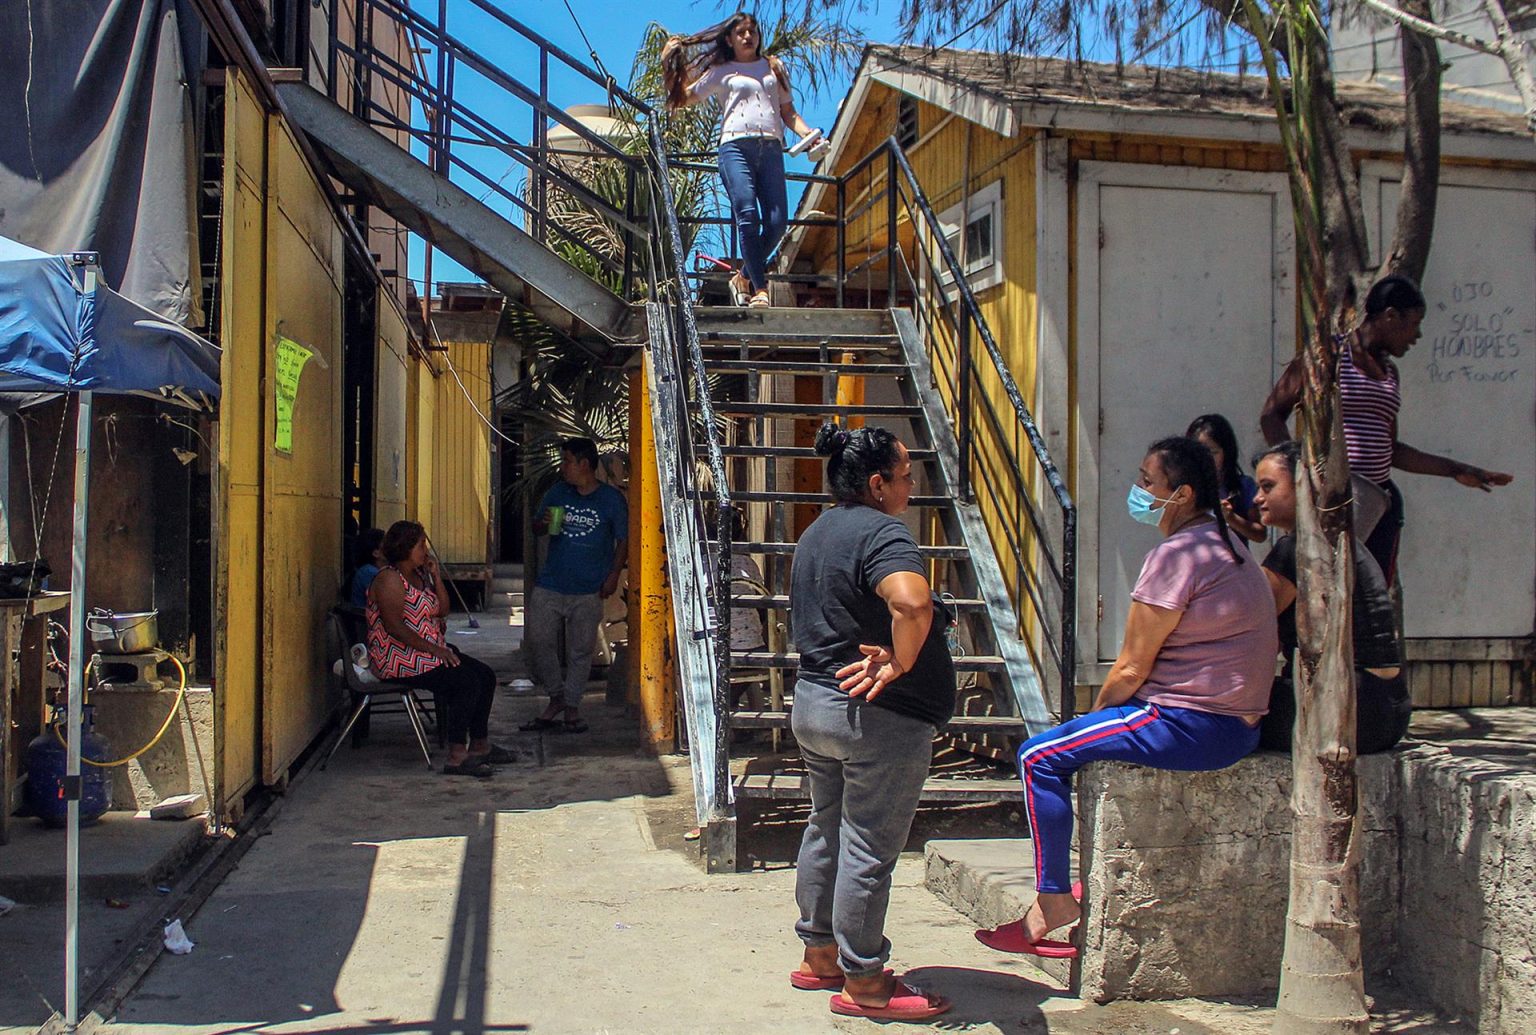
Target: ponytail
[{"x": 1186, "y": 462}]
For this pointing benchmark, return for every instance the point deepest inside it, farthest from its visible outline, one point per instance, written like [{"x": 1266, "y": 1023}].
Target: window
[
  {"x": 906, "y": 122},
  {"x": 978, "y": 245}
]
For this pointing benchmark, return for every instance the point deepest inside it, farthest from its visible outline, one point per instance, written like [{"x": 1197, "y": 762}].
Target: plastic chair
[{"x": 365, "y": 694}]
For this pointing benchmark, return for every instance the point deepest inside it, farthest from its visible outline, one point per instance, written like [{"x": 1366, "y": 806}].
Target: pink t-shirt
[{"x": 1221, "y": 656}]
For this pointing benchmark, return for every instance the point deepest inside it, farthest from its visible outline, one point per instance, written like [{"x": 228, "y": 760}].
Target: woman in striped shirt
[{"x": 1369, "y": 399}]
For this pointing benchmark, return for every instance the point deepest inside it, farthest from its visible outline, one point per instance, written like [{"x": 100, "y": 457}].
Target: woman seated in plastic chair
[
  {"x": 1186, "y": 693},
  {"x": 407, "y": 602}
]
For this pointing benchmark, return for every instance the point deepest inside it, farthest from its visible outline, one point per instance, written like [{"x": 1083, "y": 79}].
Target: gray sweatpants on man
[
  {"x": 578, "y": 614},
  {"x": 866, "y": 766}
]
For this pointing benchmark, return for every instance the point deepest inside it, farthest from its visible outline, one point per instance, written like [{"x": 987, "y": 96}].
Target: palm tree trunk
[{"x": 1321, "y": 984}]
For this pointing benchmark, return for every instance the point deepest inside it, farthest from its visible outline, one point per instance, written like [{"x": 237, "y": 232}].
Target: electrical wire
[{"x": 448, "y": 358}]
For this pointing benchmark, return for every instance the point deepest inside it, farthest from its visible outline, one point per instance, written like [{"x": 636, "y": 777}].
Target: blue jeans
[
  {"x": 753, "y": 171},
  {"x": 1152, "y": 735}
]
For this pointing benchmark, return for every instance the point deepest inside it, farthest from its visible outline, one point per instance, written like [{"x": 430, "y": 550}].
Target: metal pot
[{"x": 131, "y": 633}]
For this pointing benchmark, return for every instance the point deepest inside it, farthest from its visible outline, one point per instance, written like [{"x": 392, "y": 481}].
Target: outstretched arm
[{"x": 1416, "y": 461}]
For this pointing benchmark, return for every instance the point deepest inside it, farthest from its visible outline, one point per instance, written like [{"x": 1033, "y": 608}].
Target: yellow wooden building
[
  {"x": 281, "y": 502},
  {"x": 1128, "y": 236}
]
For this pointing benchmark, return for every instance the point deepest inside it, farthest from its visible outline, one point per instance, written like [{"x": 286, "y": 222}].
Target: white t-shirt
[{"x": 751, "y": 94}]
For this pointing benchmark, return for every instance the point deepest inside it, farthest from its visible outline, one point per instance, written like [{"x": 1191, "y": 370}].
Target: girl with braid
[{"x": 1187, "y": 691}]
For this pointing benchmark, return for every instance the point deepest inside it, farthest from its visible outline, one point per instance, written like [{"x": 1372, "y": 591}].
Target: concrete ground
[{"x": 562, "y": 897}]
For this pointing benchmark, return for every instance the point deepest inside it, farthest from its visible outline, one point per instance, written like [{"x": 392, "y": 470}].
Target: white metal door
[
  {"x": 1468, "y": 560},
  {"x": 1184, "y": 308}
]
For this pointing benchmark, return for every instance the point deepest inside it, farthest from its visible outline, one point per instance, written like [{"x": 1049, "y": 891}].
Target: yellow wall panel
[
  {"x": 241, "y": 430},
  {"x": 390, "y": 415},
  {"x": 302, "y": 497},
  {"x": 421, "y": 441},
  {"x": 461, "y": 505}
]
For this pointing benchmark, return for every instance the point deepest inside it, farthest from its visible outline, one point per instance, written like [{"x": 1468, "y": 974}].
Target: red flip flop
[
  {"x": 816, "y": 983},
  {"x": 1011, "y": 938},
  {"x": 906, "y": 1004}
]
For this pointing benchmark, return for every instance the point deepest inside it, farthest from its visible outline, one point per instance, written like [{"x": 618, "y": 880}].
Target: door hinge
[
  {"x": 1101, "y": 236},
  {"x": 1101, "y": 423},
  {"x": 1101, "y": 608}
]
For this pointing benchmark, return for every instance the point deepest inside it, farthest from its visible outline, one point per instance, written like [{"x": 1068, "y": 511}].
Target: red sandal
[
  {"x": 817, "y": 983},
  {"x": 906, "y": 1004},
  {"x": 1012, "y": 938}
]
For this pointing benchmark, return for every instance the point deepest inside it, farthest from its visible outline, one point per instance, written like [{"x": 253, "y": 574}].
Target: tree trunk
[
  {"x": 1421, "y": 149},
  {"x": 1321, "y": 985}
]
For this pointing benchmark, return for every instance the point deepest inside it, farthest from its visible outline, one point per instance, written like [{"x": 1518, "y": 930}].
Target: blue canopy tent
[{"x": 61, "y": 330}]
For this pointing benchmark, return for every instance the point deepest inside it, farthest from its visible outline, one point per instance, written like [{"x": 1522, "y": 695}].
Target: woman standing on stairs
[
  {"x": 754, "y": 93},
  {"x": 1186, "y": 693},
  {"x": 876, "y": 681}
]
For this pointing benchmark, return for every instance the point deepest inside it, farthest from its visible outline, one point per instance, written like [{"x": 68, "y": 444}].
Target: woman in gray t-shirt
[{"x": 875, "y": 682}]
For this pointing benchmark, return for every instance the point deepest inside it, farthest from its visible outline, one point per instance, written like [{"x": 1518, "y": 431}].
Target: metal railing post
[
  {"x": 541, "y": 151},
  {"x": 842, "y": 239},
  {"x": 963, "y": 406},
  {"x": 890, "y": 228}
]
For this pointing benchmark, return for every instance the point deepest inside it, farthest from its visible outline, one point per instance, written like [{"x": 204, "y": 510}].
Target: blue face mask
[{"x": 1138, "y": 503}]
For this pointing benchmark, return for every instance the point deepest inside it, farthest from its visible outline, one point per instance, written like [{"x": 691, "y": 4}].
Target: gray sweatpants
[
  {"x": 547, "y": 614},
  {"x": 866, "y": 766}
]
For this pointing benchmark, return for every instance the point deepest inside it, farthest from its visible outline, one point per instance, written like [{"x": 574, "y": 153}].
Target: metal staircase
[
  {"x": 735, "y": 393},
  {"x": 775, "y": 353}
]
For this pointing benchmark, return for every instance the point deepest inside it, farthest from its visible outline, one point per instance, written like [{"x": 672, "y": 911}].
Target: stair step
[
  {"x": 807, "y": 410},
  {"x": 942, "y": 553},
  {"x": 765, "y": 720},
  {"x": 807, "y": 453},
  {"x": 776, "y": 785},
  {"x": 795, "y": 339},
  {"x": 813, "y": 498},
  {"x": 791, "y": 659},
  {"x": 791, "y": 366},
  {"x": 759, "y": 601}
]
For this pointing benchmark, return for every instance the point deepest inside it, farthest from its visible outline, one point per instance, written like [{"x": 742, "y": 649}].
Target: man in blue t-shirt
[{"x": 587, "y": 523}]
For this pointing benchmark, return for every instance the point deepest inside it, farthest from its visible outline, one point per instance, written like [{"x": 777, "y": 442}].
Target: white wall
[{"x": 1366, "y": 47}]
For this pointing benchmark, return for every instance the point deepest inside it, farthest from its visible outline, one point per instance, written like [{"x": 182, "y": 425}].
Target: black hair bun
[{"x": 830, "y": 439}]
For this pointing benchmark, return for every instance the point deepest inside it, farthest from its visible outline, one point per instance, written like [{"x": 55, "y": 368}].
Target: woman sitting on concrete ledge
[
  {"x": 1186, "y": 692},
  {"x": 1382, "y": 706}
]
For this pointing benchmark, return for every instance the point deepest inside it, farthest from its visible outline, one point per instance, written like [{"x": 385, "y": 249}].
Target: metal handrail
[
  {"x": 673, "y": 291},
  {"x": 902, "y": 189}
]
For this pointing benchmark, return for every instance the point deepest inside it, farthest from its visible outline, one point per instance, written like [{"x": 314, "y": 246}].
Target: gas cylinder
[{"x": 47, "y": 763}]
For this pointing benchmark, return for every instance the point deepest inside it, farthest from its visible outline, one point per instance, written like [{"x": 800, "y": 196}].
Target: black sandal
[
  {"x": 471, "y": 766},
  {"x": 497, "y": 755},
  {"x": 574, "y": 726},
  {"x": 539, "y": 723}
]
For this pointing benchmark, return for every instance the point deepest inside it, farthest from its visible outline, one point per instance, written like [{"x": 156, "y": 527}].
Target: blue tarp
[{"x": 56, "y": 338}]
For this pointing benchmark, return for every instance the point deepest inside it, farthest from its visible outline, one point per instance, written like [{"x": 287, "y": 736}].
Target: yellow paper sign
[{"x": 291, "y": 357}]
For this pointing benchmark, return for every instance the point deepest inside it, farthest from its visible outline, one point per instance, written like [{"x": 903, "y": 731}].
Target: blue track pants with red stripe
[{"x": 1141, "y": 733}]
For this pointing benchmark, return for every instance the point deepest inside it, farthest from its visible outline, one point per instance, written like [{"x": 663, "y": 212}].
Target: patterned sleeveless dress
[{"x": 389, "y": 657}]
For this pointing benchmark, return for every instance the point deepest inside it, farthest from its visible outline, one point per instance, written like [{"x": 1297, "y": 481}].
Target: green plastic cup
[{"x": 556, "y": 520}]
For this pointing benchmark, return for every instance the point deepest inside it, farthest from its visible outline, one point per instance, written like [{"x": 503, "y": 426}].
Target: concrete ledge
[
  {"x": 120, "y": 854},
  {"x": 1187, "y": 875},
  {"x": 990, "y": 882}
]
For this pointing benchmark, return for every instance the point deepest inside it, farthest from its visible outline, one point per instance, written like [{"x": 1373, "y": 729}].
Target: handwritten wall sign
[
  {"x": 1476, "y": 336},
  {"x": 291, "y": 357}
]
